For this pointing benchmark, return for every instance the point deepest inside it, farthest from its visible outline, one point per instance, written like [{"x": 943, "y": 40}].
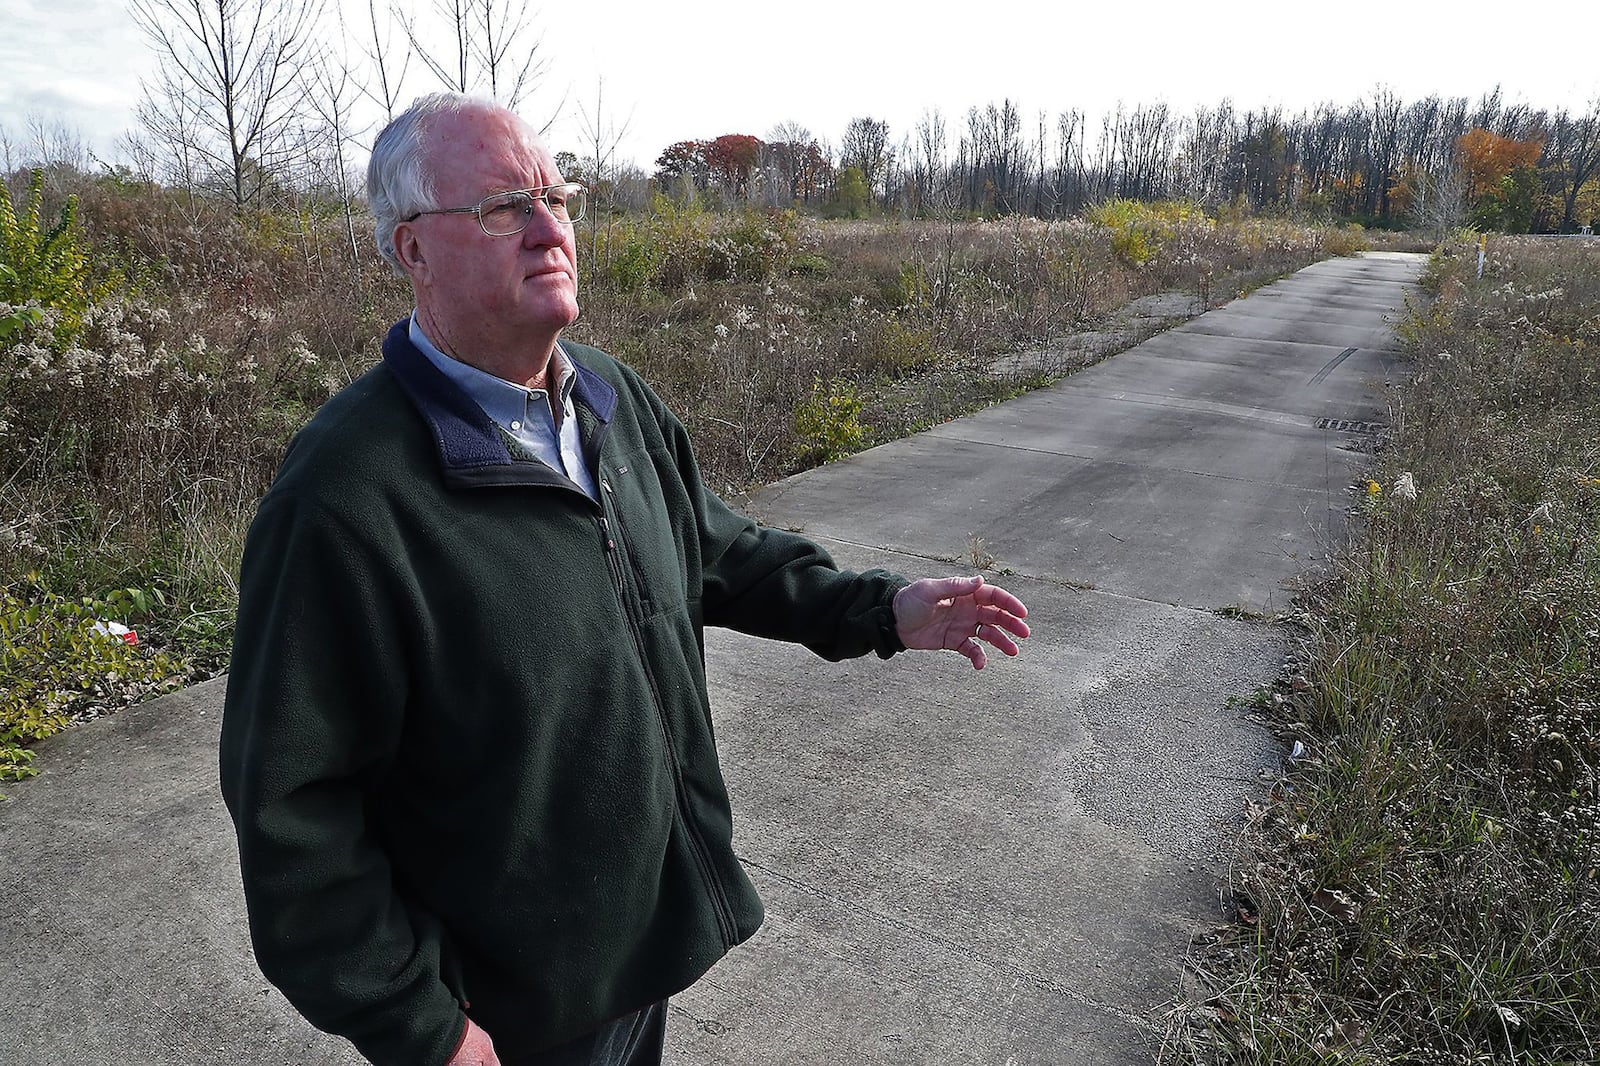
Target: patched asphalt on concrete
[{"x": 959, "y": 867}]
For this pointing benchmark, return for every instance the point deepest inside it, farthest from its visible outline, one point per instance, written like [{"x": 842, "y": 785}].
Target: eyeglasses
[{"x": 503, "y": 214}]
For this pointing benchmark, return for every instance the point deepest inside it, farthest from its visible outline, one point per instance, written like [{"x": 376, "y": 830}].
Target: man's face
[{"x": 485, "y": 290}]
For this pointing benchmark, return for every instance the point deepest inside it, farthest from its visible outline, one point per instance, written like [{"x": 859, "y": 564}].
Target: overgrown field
[
  {"x": 1426, "y": 886},
  {"x": 156, "y": 353}
]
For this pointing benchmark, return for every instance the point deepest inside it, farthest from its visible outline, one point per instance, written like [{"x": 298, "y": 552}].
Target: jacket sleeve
[
  {"x": 772, "y": 583},
  {"x": 314, "y": 708}
]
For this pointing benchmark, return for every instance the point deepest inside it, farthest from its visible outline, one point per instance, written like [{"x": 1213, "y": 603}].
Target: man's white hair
[{"x": 399, "y": 182}]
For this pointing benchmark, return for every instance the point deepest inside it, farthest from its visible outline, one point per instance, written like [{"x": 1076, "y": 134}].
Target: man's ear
[{"x": 408, "y": 249}]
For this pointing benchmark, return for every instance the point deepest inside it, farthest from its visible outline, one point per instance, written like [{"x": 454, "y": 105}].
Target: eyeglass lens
[{"x": 506, "y": 213}]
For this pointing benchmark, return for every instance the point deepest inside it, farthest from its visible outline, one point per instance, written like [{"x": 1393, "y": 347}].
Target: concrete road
[{"x": 1000, "y": 867}]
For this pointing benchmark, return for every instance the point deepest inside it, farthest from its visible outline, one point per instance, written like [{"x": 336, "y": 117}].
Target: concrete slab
[
  {"x": 122, "y": 932},
  {"x": 959, "y": 867},
  {"x": 1189, "y": 469}
]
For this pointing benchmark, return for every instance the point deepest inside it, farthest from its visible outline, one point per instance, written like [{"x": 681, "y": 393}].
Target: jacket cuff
[{"x": 884, "y": 630}]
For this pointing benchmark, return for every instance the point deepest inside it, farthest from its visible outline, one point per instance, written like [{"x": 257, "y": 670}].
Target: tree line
[
  {"x": 260, "y": 101},
  {"x": 1434, "y": 162}
]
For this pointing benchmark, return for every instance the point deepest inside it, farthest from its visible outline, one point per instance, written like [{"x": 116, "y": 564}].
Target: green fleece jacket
[{"x": 467, "y": 745}]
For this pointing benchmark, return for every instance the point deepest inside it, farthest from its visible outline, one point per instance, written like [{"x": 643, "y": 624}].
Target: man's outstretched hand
[{"x": 959, "y": 614}]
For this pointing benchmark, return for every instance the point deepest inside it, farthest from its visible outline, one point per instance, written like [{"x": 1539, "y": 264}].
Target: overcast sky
[{"x": 675, "y": 71}]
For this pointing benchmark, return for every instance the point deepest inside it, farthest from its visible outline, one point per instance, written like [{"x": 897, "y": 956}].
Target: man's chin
[{"x": 560, "y": 316}]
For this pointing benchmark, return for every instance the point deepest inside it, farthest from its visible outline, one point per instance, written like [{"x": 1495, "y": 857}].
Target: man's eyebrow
[{"x": 524, "y": 188}]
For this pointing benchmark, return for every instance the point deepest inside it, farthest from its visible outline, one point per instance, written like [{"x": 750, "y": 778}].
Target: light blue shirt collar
[{"x": 522, "y": 412}]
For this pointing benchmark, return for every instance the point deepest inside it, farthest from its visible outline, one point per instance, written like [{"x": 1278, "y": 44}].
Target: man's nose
[{"x": 543, "y": 227}]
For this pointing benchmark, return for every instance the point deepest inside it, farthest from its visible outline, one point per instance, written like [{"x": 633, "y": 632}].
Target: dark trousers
[{"x": 632, "y": 1040}]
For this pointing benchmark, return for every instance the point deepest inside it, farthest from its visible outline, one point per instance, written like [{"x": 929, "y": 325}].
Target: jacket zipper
[{"x": 697, "y": 845}]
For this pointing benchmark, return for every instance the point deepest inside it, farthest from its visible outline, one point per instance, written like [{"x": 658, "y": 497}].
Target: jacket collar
[{"x": 468, "y": 439}]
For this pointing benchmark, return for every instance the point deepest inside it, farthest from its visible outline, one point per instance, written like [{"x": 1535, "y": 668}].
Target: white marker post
[{"x": 1483, "y": 242}]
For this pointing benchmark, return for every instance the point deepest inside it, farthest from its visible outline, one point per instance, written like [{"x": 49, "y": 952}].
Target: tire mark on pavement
[{"x": 1333, "y": 364}]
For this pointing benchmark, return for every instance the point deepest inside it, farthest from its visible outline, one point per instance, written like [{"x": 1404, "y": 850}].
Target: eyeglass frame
[{"x": 539, "y": 193}]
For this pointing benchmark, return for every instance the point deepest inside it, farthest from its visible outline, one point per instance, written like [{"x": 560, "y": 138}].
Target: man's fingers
[
  {"x": 973, "y": 650},
  {"x": 998, "y": 637},
  {"x": 946, "y": 588},
  {"x": 1011, "y": 623},
  {"x": 997, "y": 597}
]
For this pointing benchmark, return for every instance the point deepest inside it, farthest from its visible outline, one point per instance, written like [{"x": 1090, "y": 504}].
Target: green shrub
[
  {"x": 631, "y": 262},
  {"x": 1345, "y": 240},
  {"x": 829, "y": 422},
  {"x": 851, "y": 197},
  {"x": 47, "y": 267},
  {"x": 55, "y": 668},
  {"x": 809, "y": 265},
  {"x": 896, "y": 348},
  {"x": 915, "y": 290},
  {"x": 1141, "y": 231}
]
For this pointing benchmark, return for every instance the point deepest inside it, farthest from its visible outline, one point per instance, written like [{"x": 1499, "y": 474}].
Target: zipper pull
[{"x": 605, "y": 528}]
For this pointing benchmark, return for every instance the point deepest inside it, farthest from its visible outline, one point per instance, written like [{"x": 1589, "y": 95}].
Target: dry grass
[
  {"x": 1426, "y": 879},
  {"x": 134, "y": 443},
  {"x": 741, "y": 321}
]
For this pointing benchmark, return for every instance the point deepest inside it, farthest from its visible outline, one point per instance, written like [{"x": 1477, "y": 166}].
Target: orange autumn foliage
[{"x": 1488, "y": 157}]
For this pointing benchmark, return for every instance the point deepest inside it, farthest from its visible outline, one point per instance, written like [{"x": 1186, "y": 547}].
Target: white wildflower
[
  {"x": 1405, "y": 487},
  {"x": 300, "y": 352},
  {"x": 721, "y": 330}
]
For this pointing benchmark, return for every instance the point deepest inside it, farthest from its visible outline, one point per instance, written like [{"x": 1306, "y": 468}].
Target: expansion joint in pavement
[
  {"x": 1002, "y": 966},
  {"x": 1124, "y": 463}
]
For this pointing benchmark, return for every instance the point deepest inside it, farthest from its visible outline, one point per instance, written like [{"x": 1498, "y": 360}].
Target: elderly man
[{"x": 467, "y": 745}]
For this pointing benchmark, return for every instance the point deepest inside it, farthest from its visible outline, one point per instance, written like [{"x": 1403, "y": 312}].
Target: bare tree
[
  {"x": 1069, "y": 166},
  {"x": 1384, "y": 147},
  {"x": 866, "y": 145},
  {"x": 166, "y": 152},
  {"x": 601, "y": 138},
  {"x": 1146, "y": 144},
  {"x": 1575, "y": 149},
  {"x": 334, "y": 90},
  {"x": 1441, "y": 201},
  {"x": 929, "y": 168},
  {"x": 802, "y": 163},
  {"x": 490, "y": 49},
  {"x": 229, "y": 86},
  {"x": 383, "y": 88},
  {"x": 55, "y": 144}
]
